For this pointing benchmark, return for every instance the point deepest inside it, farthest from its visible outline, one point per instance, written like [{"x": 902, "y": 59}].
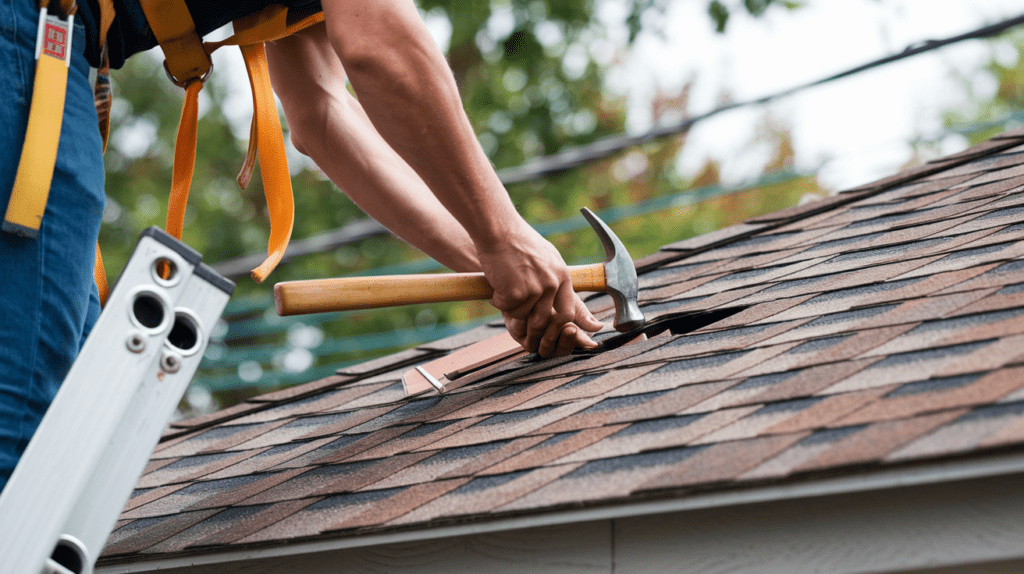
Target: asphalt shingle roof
[{"x": 882, "y": 326}]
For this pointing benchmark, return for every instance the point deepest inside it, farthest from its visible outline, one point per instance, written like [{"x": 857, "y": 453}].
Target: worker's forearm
[
  {"x": 330, "y": 126},
  {"x": 407, "y": 89}
]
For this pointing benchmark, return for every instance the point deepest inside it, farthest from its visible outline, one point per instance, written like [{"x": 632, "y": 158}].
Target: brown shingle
[
  {"x": 877, "y": 441},
  {"x": 333, "y": 479},
  {"x": 140, "y": 534},
  {"x": 721, "y": 462},
  {"x": 938, "y": 394}
]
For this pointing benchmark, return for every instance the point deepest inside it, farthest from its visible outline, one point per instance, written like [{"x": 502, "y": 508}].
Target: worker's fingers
[
  {"x": 516, "y": 328},
  {"x": 516, "y": 301},
  {"x": 584, "y": 318},
  {"x": 542, "y": 319},
  {"x": 569, "y": 310},
  {"x": 566, "y": 341}
]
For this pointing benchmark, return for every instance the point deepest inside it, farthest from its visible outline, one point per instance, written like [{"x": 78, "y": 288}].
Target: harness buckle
[{"x": 184, "y": 84}]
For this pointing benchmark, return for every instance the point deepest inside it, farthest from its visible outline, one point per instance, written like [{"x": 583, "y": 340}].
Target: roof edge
[{"x": 948, "y": 470}]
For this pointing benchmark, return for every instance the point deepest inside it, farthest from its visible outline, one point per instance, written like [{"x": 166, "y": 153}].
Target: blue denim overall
[{"x": 48, "y": 300}]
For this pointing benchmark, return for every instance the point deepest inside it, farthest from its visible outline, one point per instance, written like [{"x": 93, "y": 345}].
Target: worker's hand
[{"x": 533, "y": 290}]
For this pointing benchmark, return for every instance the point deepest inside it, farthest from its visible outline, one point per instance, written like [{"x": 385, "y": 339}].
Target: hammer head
[{"x": 620, "y": 276}]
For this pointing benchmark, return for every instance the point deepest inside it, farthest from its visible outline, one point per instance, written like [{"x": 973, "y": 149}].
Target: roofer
[{"x": 405, "y": 152}]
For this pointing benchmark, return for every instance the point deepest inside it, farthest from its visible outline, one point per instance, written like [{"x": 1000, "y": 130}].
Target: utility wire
[{"x": 603, "y": 148}]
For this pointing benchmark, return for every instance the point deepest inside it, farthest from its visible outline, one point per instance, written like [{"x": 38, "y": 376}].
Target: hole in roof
[
  {"x": 623, "y": 402},
  {"x": 785, "y": 406},
  {"x": 864, "y": 290},
  {"x": 846, "y": 316},
  {"x": 513, "y": 417},
  {"x": 930, "y": 385},
  {"x": 677, "y": 324},
  {"x": 633, "y": 461},
  {"x": 821, "y": 344},
  {"x": 764, "y": 380},
  {"x": 1011, "y": 289},
  {"x": 659, "y": 425},
  {"x": 703, "y": 362},
  {"x": 831, "y": 435},
  {"x": 487, "y": 482},
  {"x": 353, "y": 499},
  {"x": 966, "y": 321},
  {"x": 928, "y": 354}
]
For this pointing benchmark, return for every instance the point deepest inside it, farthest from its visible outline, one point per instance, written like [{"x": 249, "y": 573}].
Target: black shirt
[{"x": 130, "y": 33}]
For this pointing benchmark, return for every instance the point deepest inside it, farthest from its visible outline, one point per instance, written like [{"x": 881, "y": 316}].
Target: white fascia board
[{"x": 902, "y": 477}]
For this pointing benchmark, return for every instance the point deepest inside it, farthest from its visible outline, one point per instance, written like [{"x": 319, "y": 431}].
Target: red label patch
[{"x": 55, "y": 41}]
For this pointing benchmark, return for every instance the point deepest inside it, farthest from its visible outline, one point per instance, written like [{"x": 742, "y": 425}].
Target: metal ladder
[{"x": 84, "y": 460}]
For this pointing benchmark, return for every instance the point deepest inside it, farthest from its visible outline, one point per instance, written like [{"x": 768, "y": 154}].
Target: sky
[{"x": 854, "y": 130}]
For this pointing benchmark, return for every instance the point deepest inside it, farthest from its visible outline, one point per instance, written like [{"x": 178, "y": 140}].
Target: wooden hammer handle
[{"x": 350, "y": 293}]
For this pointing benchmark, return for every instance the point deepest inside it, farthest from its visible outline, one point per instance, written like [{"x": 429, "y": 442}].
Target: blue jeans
[{"x": 48, "y": 299}]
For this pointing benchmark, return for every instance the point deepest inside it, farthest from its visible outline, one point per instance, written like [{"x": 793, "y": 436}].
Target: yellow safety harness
[
  {"x": 39, "y": 155},
  {"x": 188, "y": 65}
]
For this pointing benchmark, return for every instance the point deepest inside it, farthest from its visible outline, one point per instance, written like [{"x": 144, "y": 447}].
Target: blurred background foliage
[{"x": 532, "y": 75}]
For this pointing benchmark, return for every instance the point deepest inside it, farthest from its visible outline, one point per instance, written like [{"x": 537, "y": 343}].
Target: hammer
[{"x": 616, "y": 276}]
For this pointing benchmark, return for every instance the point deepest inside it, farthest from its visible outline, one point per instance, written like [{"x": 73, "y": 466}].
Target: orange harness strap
[{"x": 266, "y": 139}]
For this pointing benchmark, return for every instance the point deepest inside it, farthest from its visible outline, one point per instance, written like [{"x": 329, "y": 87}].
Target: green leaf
[{"x": 719, "y": 15}]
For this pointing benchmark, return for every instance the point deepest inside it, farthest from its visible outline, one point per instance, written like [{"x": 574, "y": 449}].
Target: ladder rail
[{"x": 62, "y": 479}]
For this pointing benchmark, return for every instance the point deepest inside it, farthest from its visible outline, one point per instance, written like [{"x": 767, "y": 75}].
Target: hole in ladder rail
[
  {"x": 69, "y": 555},
  {"x": 148, "y": 310},
  {"x": 184, "y": 335},
  {"x": 165, "y": 271}
]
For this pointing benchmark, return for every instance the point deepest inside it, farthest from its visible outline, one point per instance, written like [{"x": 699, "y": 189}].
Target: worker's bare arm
[
  {"x": 409, "y": 93},
  {"x": 329, "y": 125}
]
